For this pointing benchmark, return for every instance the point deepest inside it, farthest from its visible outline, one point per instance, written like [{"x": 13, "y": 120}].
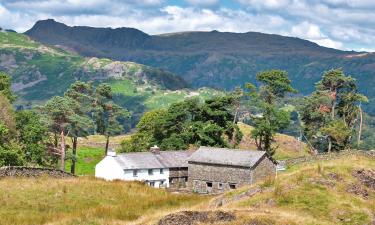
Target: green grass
[
  {"x": 84, "y": 201},
  {"x": 88, "y": 157}
]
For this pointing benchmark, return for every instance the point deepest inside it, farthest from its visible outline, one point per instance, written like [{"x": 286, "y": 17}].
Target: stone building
[{"x": 215, "y": 170}]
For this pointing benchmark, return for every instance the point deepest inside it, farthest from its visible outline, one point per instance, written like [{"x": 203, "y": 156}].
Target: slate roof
[
  {"x": 225, "y": 156},
  {"x": 149, "y": 160}
]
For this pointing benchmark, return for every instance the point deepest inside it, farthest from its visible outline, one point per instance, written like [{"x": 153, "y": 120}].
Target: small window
[
  {"x": 135, "y": 173},
  {"x": 161, "y": 171},
  {"x": 162, "y": 182},
  {"x": 150, "y": 172},
  {"x": 232, "y": 186},
  {"x": 220, "y": 186},
  {"x": 152, "y": 184},
  {"x": 209, "y": 184}
]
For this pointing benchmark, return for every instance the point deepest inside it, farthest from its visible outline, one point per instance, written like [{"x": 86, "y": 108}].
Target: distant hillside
[
  {"x": 215, "y": 59},
  {"x": 39, "y": 72}
]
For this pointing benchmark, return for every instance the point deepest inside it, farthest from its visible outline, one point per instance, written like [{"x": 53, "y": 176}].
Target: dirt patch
[
  {"x": 357, "y": 189},
  {"x": 366, "y": 177},
  {"x": 195, "y": 217},
  {"x": 261, "y": 222}
]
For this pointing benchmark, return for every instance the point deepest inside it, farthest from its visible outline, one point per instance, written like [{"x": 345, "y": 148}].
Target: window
[
  {"x": 135, "y": 173},
  {"x": 232, "y": 186},
  {"x": 220, "y": 186},
  {"x": 152, "y": 184},
  {"x": 209, "y": 184},
  {"x": 162, "y": 182},
  {"x": 150, "y": 172},
  {"x": 161, "y": 171}
]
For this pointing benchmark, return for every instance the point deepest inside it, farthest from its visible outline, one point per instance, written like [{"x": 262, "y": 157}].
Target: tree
[
  {"x": 59, "y": 112},
  {"x": 106, "y": 113},
  {"x": 33, "y": 137},
  {"x": 5, "y": 87},
  {"x": 332, "y": 111},
  {"x": 274, "y": 85},
  {"x": 80, "y": 124},
  {"x": 186, "y": 123}
]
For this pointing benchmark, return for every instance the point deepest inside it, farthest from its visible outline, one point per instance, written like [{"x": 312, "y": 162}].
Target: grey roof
[
  {"x": 149, "y": 160},
  {"x": 225, "y": 156}
]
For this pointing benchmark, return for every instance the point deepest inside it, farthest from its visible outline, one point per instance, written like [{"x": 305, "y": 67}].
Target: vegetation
[
  {"x": 331, "y": 113},
  {"x": 310, "y": 193},
  {"x": 274, "y": 85},
  {"x": 40, "y": 72},
  {"x": 84, "y": 201},
  {"x": 191, "y": 122}
]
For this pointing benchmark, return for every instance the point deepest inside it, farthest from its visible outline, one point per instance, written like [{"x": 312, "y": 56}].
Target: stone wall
[
  {"x": 19, "y": 171},
  {"x": 178, "y": 177},
  {"x": 329, "y": 156},
  {"x": 220, "y": 177},
  {"x": 263, "y": 170}
]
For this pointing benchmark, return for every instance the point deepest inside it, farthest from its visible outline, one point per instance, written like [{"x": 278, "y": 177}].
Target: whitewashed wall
[{"x": 109, "y": 169}]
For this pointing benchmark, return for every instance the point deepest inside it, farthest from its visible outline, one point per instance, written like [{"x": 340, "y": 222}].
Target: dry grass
[
  {"x": 288, "y": 146},
  {"x": 307, "y": 194},
  {"x": 84, "y": 201}
]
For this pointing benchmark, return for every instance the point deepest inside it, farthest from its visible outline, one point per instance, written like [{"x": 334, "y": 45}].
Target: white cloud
[
  {"x": 332, "y": 23},
  {"x": 202, "y": 2}
]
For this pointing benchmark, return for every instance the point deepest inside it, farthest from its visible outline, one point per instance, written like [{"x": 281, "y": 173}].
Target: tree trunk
[
  {"x": 73, "y": 166},
  {"x": 360, "y": 127},
  {"x": 62, "y": 151},
  {"x": 329, "y": 144},
  {"x": 106, "y": 145}
]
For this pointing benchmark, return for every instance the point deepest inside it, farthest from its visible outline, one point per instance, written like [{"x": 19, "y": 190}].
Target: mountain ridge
[{"x": 216, "y": 59}]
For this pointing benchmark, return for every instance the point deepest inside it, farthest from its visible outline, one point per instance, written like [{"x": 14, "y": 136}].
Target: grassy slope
[
  {"x": 288, "y": 146},
  {"x": 304, "y": 194},
  {"x": 40, "y": 72},
  {"x": 83, "y": 201},
  {"x": 307, "y": 194}
]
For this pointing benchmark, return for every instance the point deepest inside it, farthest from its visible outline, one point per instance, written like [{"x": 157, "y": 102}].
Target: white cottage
[{"x": 156, "y": 168}]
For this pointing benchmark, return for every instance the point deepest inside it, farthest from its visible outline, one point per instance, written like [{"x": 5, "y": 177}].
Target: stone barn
[{"x": 215, "y": 170}]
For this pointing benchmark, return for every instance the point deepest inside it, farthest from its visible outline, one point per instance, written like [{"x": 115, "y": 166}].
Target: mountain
[
  {"x": 40, "y": 71},
  {"x": 214, "y": 59}
]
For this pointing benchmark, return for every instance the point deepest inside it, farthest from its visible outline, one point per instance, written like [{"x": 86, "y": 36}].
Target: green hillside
[
  {"x": 40, "y": 72},
  {"x": 215, "y": 59}
]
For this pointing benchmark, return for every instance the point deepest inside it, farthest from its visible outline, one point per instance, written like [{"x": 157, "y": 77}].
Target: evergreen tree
[
  {"x": 330, "y": 113},
  {"x": 274, "y": 85}
]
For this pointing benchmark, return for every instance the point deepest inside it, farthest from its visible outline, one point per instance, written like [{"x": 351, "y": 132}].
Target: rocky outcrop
[
  {"x": 18, "y": 171},
  {"x": 197, "y": 217}
]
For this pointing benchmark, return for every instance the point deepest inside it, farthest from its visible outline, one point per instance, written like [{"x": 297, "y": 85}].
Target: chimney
[
  {"x": 111, "y": 152},
  {"x": 155, "y": 149}
]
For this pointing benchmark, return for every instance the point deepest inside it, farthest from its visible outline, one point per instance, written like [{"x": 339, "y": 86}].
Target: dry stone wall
[
  {"x": 18, "y": 171},
  {"x": 329, "y": 156}
]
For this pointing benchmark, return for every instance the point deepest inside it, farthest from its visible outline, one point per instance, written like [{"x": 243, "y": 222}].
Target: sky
[{"x": 341, "y": 24}]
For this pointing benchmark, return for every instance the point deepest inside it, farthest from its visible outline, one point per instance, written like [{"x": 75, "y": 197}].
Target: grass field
[
  {"x": 310, "y": 193},
  {"x": 87, "y": 158},
  {"x": 83, "y": 201}
]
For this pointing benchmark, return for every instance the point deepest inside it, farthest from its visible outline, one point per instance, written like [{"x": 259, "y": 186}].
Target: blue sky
[{"x": 342, "y": 24}]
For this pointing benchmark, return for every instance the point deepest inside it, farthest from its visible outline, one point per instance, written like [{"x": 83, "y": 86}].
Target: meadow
[{"x": 309, "y": 193}]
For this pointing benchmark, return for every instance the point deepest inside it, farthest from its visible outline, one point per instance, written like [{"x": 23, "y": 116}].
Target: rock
[
  {"x": 357, "y": 189},
  {"x": 366, "y": 177},
  {"x": 195, "y": 217}
]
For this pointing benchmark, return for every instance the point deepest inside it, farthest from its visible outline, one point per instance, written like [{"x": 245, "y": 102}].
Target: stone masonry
[{"x": 214, "y": 178}]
